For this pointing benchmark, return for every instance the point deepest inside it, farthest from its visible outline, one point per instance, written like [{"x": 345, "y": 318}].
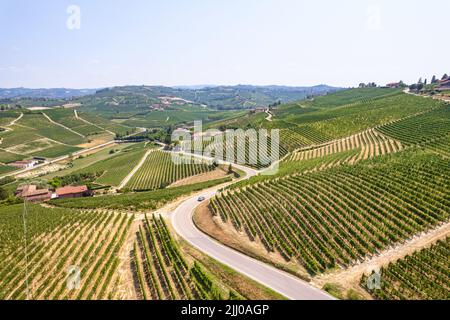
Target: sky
[{"x": 101, "y": 43}]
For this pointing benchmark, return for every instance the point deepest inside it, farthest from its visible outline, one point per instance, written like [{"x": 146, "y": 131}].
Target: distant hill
[
  {"x": 214, "y": 97},
  {"x": 56, "y": 93}
]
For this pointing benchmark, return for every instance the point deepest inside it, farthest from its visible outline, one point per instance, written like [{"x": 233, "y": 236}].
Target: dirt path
[
  {"x": 63, "y": 126},
  {"x": 349, "y": 278},
  {"x": 16, "y": 120},
  {"x": 269, "y": 116},
  {"x": 135, "y": 169},
  {"x": 92, "y": 124}
]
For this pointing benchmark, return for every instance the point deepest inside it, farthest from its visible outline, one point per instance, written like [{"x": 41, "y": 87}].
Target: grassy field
[
  {"x": 7, "y": 157},
  {"x": 115, "y": 168},
  {"x": 85, "y": 161}
]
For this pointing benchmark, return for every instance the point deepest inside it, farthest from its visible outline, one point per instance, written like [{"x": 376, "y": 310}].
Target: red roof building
[
  {"x": 32, "y": 194},
  {"x": 72, "y": 192}
]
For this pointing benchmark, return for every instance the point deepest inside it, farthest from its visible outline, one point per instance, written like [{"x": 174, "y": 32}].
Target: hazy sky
[{"x": 46, "y": 43}]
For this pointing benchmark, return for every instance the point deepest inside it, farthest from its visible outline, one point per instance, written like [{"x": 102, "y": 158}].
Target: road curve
[{"x": 277, "y": 280}]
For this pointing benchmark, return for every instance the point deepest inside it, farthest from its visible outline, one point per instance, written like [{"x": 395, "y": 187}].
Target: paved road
[{"x": 279, "y": 281}]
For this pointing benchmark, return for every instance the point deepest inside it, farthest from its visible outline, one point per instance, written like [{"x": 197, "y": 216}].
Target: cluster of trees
[
  {"x": 367, "y": 85},
  {"x": 275, "y": 104},
  {"x": 80, "y": 178},
  {"x": 161, "y": 134},
  {"x": 421, "y": 84}
]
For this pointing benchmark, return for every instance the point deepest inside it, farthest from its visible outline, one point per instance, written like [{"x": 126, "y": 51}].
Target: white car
[{"x": 200, "y": 199}]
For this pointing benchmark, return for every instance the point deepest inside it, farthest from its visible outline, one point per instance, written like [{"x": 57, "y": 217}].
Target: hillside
[
  {"x": 57, "y": 93},
  {"x": 365, "y": 171}
]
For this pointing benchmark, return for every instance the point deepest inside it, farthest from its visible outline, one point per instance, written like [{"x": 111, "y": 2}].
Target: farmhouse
[
  {"x": 72, "y": 192},
  {"x": 393, "y": 85},
  {"x": 32, "y": 194},
  {"x": 444, "y": 85},
  {"x": 24, "y": 164}
]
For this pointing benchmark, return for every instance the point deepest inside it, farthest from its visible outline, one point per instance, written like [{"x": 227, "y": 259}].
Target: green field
[
  {"x": 159, "y": 171},
  {"x": 424, "y": 275},
  {"x": 421, "y": 128},
  {"x": 116, "y": 168},
  {"x": 57, "y": 151},
  {"x": 7, "y": 157},
  {"x": 67, "y": 118}
]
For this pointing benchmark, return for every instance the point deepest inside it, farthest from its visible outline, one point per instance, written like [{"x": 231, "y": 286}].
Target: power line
[{"x": 24, "y": 214}]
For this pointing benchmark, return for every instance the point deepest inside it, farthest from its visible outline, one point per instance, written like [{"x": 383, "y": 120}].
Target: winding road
[{"x": 277, "y": 280}]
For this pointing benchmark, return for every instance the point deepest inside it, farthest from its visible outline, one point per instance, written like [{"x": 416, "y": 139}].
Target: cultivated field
[
  {"x": 424, "y": 275},
  {"x": 55, "y": 240},
  {"x": 293, "y": 215},
  {"x": 162, "y": 273},
  {"x": 159, "y": 171}
]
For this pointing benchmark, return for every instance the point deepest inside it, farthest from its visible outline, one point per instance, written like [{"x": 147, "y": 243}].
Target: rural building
[
  {"x": 444, "y": 85},
  {"x": 23, "y": 164},
  {"x": 73, "y": 192},
  {"x": 32, "y": 194},
  {"x": 393, "y": 85}
]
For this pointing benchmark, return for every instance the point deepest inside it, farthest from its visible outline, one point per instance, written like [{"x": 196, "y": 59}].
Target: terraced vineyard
[
  {"x": 335, "y": 217},
  {"x": 370, "y": 142},
  {"x": 162, "y": 273},
  {"x": 424, "y": 275},
  {"x": 159, "y": 171},
  {"x": 421, "y": 128},
  {"x": 241, "y": 149},
  {"x": 57, "y": 239}
]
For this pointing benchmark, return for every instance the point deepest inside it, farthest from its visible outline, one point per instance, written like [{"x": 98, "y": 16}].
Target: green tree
[{"x": 3, "y": 194}]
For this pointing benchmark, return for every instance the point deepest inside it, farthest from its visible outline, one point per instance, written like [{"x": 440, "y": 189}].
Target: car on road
[{"x": 200, "y": 199}]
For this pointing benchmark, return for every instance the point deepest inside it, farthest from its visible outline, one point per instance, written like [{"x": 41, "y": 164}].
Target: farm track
[
  {"x": 16, "y": 120},
  {"x": 92, "y": 124},
  {"x": 135, "y": 169},
  {"x": 352, "y": 275},
  {"x": 62, "y": 126}
]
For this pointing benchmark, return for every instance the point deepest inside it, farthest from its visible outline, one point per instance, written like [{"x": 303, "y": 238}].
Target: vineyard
[
  {"x": 161, "y": 271},
  {"x": 55, "y": 240},
  {"x": 424, "y": 275},
  {"x": 422, "y": 128},
  {"x": 335, "y": 217},
  {"x": 370, "y": 142},
  {"x": 250, "y": 149},
  {"x": 67, "y": 118},
  {"x": 115, "y": 168},
  {"x": 160, "y": 170},
  {"x": 440, "y": 146}
]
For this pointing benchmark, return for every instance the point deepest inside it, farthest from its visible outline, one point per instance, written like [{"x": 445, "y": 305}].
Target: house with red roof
[
  {"x": 32, "y": 194},
  {"x": 70, "y": 192}
]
